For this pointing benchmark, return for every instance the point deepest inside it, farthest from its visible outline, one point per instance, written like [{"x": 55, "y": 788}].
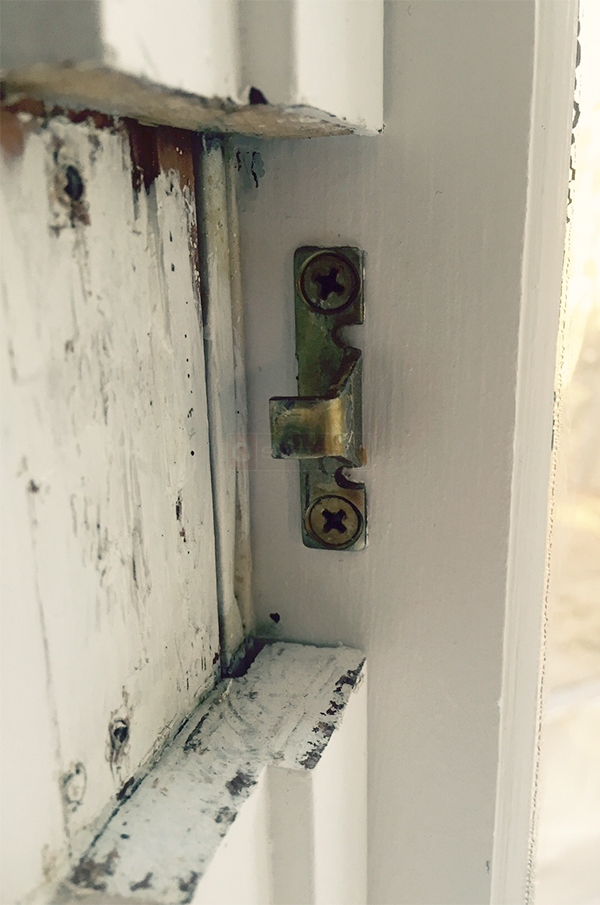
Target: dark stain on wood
[
  {"x": 193, "y": 742},
  {"x": 225, "y": 816},
  {"x": 90, "y": 874},
  {"x": 156, "y": 149},
  {"x": 42, "y": 110},
  {"x": 142, "y": 884},
  {"x": 100, "y": 120},
  {"x": 144, "y": 154},
  {"x": 27, "y": 105},
  {"x": 188, "y": 886},
  {"x": 128, "y": 789},
  {"x": 324, "y": 729},
  {"x": 239, "y": 783},
  {"x": 12, "y": 134},
  {"x": 174, "y": 150},
  {"x": 350, "y": 678}
]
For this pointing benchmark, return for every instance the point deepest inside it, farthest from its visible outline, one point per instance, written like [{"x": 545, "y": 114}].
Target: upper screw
[
  {"x": 334, "y": 521},
  {"x": 329, "y": 281}
]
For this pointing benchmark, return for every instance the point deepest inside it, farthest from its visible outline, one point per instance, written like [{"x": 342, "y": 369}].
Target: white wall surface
[
  {"x": 439, "y": 202},
  {"x": 188, "y": 44}
]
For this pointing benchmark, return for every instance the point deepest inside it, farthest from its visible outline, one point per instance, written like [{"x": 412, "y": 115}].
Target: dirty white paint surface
[
  {"x": 223, "y": 402},
  {"x": 533, "y": 471},
  {"x": 108, "y": 580},
  {"x": 250, "y": 758}
]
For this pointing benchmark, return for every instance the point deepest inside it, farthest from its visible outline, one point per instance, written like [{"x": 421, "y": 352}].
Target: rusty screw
[
  {"x": 334, "y": 521},
  {"x": 329, "y": 281}
]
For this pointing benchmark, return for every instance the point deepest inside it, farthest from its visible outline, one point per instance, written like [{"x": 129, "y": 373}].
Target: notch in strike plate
[{"x": 322, "y": 427}]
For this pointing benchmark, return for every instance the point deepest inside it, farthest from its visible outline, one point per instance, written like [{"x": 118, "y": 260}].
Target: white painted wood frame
[
  {"x": 552, "y": 112},
  {"x": 460, "y": 206},
  {"x": 110, "y": 632},
  {"x": 260, "y": 800}
]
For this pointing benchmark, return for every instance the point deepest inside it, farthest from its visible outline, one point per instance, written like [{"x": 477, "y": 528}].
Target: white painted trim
[
  {"x": 520, "y": 703},
  {"x": 301, "y": 837},
  {"x": 260, "y": 799},
  {"x": 109, "y": 604},
  {"x": 439, "y": 203}
]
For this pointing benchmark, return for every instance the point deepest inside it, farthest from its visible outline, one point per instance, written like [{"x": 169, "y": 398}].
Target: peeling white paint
[
  {"x": 106, "y": 466},
  {"x": 285, "y": 713}
]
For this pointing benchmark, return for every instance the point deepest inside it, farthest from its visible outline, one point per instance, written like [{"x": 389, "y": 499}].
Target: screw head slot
[
  {"x": 334, "y": 521},
  {"x": 329, "y": 281}
]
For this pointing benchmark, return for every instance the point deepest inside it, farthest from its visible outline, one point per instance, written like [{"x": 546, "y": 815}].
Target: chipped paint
[
  {"x": 104, "y": 399},
  {"x": 282, "y": 713},
  {"x": 115, "y": 93}
]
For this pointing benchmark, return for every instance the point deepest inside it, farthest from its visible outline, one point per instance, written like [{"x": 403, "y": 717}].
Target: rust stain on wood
[
  {"x": 174, "y": 149},
  {"x": 12, "y": 135},
  {"x": 41, "y": 111},
  {"x": 144, "y": 154}
]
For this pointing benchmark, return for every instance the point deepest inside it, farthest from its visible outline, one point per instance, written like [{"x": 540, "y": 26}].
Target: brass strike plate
[{"x": 322, "y": 427}]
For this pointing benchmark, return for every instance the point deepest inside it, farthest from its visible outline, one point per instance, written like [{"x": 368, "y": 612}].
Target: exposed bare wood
[{"x": 118, "y": 94}]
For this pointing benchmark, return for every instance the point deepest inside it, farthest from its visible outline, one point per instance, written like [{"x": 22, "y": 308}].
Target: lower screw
[{"x": 334, "y": 521}]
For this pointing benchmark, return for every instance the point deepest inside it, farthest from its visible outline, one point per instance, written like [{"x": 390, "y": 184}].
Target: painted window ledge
[
  {"x": 260, "y": 69},
  {"x": 262, "y": 795}
]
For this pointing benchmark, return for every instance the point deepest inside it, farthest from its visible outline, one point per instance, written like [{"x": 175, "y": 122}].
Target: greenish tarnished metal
[{"x": 322, "y": 427}]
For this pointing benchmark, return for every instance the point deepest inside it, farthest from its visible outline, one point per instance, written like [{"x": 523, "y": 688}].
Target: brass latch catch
[{"x": 322, "y": 427}]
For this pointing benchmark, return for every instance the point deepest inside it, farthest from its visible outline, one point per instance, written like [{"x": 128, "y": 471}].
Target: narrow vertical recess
[
  {"x": 223, "y": 341},
  {"x": 243, "y": 549}
]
